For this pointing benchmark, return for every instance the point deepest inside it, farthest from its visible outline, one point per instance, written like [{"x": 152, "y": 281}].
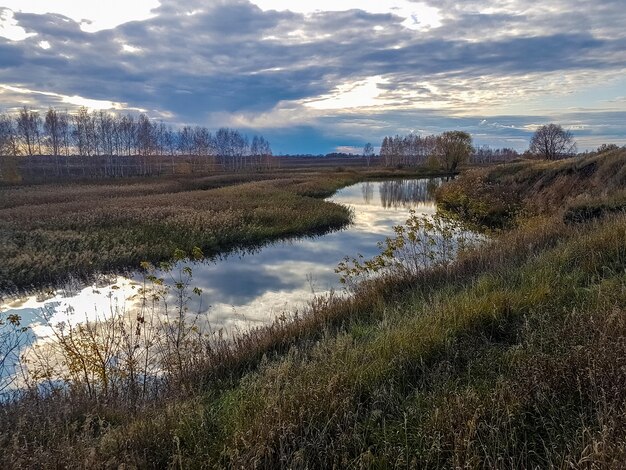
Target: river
[{"x": 247, "y": 289}]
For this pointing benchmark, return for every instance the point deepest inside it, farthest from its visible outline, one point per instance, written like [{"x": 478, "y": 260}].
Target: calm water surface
[{"x": 244, "y": 290}]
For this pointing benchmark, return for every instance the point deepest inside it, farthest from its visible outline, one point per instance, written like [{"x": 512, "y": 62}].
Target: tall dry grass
[
  {"x": 53, "y": 234},
  {"x": 49, "y": 232},
  {"x": 508, "y": 358}
]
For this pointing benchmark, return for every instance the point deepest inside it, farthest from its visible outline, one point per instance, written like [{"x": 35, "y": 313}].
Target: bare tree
[
  {"x": 410, "y": 150},
  {"x": 53, "y": 137},
  {"x": 8, "y": 136},
  {"x": 222, "y": 145},
  {"x": 240, "y": 149},
  {"x": 9, "y": 167},
  {"x": 28, "y": 123},
  {"x": 552, "y": 142},
  {"x": 87, "y": 134},
  {"x": 486, "y": 154},
  {"x": 65, "y": 132},
  {"x": 128, "y": 132},
  {"x": 80, "y": 132},
  {"x": 255, "y": 151},
  {"x": 92, "y": 134},
  {"x": 385, "y": 151},
  {"x": 607, "y": 148},
  {"x": 231, "y": 147},
  {"x": 52, "y": 132},
  {"x": 265, "y": 150},
  {"x": 202, "y": 144},
  {"x": 368, "y": 152},
  {"x": 105, "y": 126},
  {"x": 185, "y": 141},
  {"x": 260, "y": 152},
  {"x": 145, "y": 135}
]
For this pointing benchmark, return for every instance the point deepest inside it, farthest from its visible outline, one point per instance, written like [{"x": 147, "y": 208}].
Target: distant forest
[
  {"x": 103, "y": 134},
  {"x": 414, "y": 150}
]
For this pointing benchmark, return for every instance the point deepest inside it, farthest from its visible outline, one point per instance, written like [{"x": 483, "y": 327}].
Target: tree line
[
  {"x": 409, "y": 150},
  {"x": 103, "y": 134},
  {"x": 446, "y": 150},
  {"x": 452, "y": 148}
]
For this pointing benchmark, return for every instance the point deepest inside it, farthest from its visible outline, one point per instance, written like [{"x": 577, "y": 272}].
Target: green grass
[
  {"x": 504, "y": 366},
  {"x": 431, "y": 379},
  {"x": 510, "y": 358}
]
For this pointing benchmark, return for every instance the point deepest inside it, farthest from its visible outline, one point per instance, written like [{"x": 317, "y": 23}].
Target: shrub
[
  {"x": 479, "y": 202},
  {"x": 422, "y": 242}
]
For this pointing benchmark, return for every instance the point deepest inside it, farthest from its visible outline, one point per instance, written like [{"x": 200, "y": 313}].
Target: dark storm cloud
[
  {"x": 519, "y": 55},
  {"x": 215, "y": 56},
  {"x": 12, "y": 56}
]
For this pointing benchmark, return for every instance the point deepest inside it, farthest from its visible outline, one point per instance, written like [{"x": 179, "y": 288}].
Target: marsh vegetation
[
  {"x": 507, "y": 357},
  {"x": 51, "y": 230}
]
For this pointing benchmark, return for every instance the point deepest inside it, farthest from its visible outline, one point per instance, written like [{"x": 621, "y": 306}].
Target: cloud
[
  {"x": 414, "y": 15},
  {"x": 33, "y": 98},
  {"x": 92, "y": 16},
  {"x": 11, "y": 55},
  {"x": 320, "y": 69}
]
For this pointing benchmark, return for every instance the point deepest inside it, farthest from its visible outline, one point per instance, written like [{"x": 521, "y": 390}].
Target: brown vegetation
[
  {"x": 496, "y": 196},
  {"x": 49, "y": 231},
  {"x": 508, "y": 358}
]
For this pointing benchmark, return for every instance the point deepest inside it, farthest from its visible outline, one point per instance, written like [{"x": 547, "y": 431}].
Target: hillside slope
[{"x": 495, "y": 196}]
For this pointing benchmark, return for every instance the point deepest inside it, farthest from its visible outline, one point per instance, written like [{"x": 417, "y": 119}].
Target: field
[
  {"x": 50, "y": 231},
  {"x": 511, "y": 357}
]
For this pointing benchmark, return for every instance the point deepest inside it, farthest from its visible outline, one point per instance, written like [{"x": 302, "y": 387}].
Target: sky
[{"x": 323, "y": 76}]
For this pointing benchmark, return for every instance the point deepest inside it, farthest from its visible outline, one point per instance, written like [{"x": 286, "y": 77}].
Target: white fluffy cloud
[{"x": 93, "y": 15}]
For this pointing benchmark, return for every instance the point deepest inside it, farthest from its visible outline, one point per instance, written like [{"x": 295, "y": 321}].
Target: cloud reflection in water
[{"x": 248, "y": 289}]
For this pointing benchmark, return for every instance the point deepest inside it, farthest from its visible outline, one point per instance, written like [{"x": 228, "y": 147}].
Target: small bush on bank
[{"x": 479, "y": 202}]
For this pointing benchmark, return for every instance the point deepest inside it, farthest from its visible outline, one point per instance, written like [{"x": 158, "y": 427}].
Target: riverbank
[
  {"x": 50, "y": 232},
  {"x": 246, "y": 289},
  {"x": 508, "y": 358}
]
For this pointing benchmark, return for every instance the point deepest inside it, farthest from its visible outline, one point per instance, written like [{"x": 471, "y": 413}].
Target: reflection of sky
[{"x": 247, "y": 289}]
